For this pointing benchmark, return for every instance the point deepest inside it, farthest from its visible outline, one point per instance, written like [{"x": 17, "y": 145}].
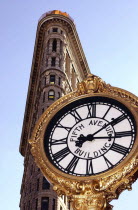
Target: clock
[
  {"x": 86, "y": 143},
  {"x": 90, "y": 135}
]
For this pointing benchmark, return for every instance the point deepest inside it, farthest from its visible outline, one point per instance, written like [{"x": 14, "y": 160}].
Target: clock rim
[{"x": 58, "y": 172}]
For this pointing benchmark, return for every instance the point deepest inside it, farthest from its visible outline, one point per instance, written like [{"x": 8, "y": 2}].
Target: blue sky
[{"x": 108, "y": 30}]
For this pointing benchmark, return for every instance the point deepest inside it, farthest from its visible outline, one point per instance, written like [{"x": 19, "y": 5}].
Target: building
[{"x": 58, "y": 65}]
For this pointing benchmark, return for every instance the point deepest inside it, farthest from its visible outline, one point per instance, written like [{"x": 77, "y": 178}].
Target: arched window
[
  {"x": 44, "y": 203},
  {"x": 61, "y": 46},
  {"x": 59, "y": 81},
  {"x": 51, "y": 95},
  {"x": 54, "y": 45},
  {"x": 55, "y": 30},
  {"x": 58, "y": 94},
  {"x": 43, "y": 97},
  {"x": 45, "y": 184},
  {"x": 48, "y": 43},
  {"x": 53, "y": 61},
  {"x": 45, "y": 81},
  {"x": 52, "y": 79}
]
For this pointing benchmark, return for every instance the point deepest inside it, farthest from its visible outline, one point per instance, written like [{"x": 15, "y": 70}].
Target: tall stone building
[{"x": 58, "y": 65}]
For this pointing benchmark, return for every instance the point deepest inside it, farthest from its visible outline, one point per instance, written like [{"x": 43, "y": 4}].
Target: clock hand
[
  {"x": 113, "y": 122},
  {"x": 82, "y": 139},
  {"x": 90, "y": 137},
  {"x": 117, "y": 135}
]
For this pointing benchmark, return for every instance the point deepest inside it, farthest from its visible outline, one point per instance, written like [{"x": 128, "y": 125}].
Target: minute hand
[
  {"x": 109, "y": 137},
  {"x": 114, "y": 122}
]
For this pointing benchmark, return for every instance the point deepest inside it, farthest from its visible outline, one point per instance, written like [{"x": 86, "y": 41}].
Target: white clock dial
[{"x": 90, "y": 136}]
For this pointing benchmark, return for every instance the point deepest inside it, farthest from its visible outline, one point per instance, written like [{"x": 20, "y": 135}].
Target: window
[
  {"x": 51, "y": 95},
  {"x": 61, "y": 32},
  {"x": 61, "y": 47},
  {"x": 53, "y": 206},
  {"x": 58, "y": 94},
  {"x": 44, "y": 203},
  {"x": 60, "y": 207},
  {"x": 52, "y": 79},
  {"x": 43, "y": 97},
  {"x": 45, "y": 80},
  {"x": 37, "y": 187},
  {"x": 36, "y": 204},
  {"x": 43, "y": 110},
  {"x": 54, "y": 45},
  {"x": 59, "y": 81},
  {"x": 46, "y": 184},
  {"x": 53, "y": 61},
  {"x": 55, "y": 29},
  {"x": 67, "y": 64}
]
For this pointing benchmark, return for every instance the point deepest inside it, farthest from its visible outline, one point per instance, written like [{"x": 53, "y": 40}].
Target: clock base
[{"x": 90, "y": 202}]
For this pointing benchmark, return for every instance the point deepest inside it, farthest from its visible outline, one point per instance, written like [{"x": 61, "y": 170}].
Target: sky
[{"x": 108, "y": 31}]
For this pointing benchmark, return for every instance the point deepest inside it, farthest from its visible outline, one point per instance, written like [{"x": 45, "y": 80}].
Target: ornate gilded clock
[
  {"x": 86, "y": 143},
  {"x": 90, "y": 136}
]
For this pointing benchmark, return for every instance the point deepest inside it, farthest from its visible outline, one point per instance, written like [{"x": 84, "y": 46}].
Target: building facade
[{"x": 58, "y": 65}]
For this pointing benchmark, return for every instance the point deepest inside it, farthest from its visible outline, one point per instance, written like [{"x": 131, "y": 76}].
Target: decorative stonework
[{"x": 94, "y": 84}]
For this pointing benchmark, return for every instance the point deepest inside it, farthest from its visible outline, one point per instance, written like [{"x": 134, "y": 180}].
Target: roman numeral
[
  {"x": 108, "y": 163},
  {"x": 118, "y": 119},
  {"x": 61, "y": 126},
  {"x": 89, "y": 167},
  {"x": 107, "y": 111},
  {"x": 75, "y": 114},
  {"x": 91, "y": 110},
  {"x": 119, "y": 148},
  {"x": 123, "y": 134},
  {"x": 72, "y": 165},
  {"x": 57, "y": 142},
  {"x": 61, "y": 154}
]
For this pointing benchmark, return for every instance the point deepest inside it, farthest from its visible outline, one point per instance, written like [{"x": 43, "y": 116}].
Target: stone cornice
[{"x": 67, "y": 23}]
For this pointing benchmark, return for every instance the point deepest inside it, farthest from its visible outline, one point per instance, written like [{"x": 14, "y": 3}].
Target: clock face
[{"x": 90, "y": 136}]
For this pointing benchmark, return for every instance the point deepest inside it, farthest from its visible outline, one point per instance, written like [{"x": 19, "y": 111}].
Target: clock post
[{"x": 86, "y": 144}]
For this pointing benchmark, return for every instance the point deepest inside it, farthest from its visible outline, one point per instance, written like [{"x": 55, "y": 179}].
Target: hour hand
[{"x": 82, "y": 139}]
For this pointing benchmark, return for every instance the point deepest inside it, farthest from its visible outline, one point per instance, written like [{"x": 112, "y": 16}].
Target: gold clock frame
[{"x": 96, "y": 191}]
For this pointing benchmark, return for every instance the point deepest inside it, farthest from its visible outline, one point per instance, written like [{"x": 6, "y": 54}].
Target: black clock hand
[
  {"x": 113, "y": 122},
  {"x": 117, "y": 135},
  {"x": 90, "y": 137},
  {"x": 81, "y": 140}
]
